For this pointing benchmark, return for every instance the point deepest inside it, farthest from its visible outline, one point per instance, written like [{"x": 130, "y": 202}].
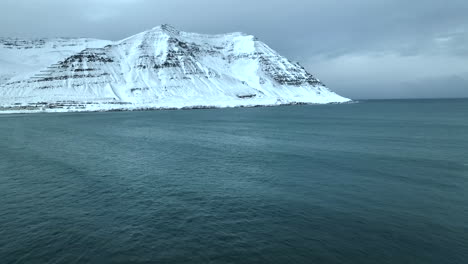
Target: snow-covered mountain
[{"x": 158, "y": 68}]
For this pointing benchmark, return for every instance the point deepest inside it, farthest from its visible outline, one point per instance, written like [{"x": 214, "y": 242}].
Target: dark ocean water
[{"x": 374, "y": 182}]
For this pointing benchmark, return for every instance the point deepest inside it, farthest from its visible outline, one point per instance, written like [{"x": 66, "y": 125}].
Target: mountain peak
[{"x": 167, "y": 28}]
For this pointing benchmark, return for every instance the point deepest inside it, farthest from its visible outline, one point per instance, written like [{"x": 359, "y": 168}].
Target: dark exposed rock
[
  {"x": 66, "y": 77},
  {"x": 246, "y": 96}
]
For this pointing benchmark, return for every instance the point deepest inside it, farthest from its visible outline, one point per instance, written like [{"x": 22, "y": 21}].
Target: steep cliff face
[{"x": 158, "y": 68}]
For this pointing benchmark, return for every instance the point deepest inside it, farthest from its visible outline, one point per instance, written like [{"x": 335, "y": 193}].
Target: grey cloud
[
  {"x": 299, "y": 29},
  {"x": 445, "y": 87}
]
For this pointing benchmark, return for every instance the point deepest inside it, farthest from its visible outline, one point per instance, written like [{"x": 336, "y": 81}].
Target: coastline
[{"x": 98, "y": 108}]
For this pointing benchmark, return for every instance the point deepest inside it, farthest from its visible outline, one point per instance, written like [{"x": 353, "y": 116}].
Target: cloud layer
[{"x": 360, "y": 48}]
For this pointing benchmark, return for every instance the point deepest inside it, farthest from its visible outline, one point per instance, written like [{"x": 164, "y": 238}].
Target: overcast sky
[{"x": 358, "y": 48}]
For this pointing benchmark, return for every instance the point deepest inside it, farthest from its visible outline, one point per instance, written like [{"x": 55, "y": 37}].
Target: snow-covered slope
[
  {"x": 158, "y": 68},
  {"x": 21, "y": 59}
]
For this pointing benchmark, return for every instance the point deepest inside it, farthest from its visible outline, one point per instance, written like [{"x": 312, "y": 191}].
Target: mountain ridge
[{"x": 158, "y": 68}]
